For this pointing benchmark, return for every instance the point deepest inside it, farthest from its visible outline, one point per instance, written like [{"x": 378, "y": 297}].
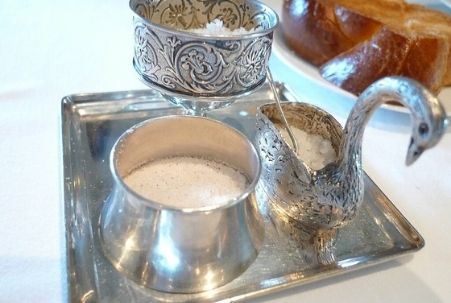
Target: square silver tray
[{"x": 90, "y": 125}]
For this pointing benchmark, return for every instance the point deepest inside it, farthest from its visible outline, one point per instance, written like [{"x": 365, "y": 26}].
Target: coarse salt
[
  {"x": 187, "y": 182},
  {"x": 313, "y": 149},
  {"x": 217, "y": 28}
]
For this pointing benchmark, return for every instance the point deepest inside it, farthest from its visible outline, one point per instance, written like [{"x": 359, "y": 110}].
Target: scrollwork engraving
[{"x": 190, "y": 64}]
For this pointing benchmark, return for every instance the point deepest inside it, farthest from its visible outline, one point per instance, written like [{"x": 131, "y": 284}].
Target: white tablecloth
[{"x": 49, "y": 49}]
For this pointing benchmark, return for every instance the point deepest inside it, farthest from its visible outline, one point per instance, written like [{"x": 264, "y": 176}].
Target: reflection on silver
[
  {"x": 88, "y": 297},
  {"x": 329, "y": 198},
  {"x": 318, "y": 245},
  {"x": 179, "y": 249},
  {"x": 91, "y": 123},
  {"x": 199, "y": 71}
]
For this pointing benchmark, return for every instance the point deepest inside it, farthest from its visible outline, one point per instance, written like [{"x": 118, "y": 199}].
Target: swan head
[{"x": 427, "y": 132}]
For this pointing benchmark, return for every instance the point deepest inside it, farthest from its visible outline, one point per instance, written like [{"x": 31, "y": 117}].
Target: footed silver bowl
[
  {"x": 178, "y": 249},
  {"x": 196, "y": 70}
]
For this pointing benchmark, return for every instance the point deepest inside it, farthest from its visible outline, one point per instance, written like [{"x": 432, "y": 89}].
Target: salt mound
[{"x": 314, "y": 150}]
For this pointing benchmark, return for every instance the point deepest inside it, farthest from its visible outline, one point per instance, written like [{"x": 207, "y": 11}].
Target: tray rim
[{"x": 67, "y": 108}]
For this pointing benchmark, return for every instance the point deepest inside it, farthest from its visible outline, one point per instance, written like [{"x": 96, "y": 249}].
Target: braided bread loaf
[{"x": 355, "y": 43}]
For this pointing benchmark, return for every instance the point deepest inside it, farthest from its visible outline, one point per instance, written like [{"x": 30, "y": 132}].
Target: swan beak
[{"x": 413, "y": 153}]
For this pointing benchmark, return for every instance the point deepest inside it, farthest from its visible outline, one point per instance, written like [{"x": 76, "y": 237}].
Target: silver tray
[{"x": 90, "y": 125}]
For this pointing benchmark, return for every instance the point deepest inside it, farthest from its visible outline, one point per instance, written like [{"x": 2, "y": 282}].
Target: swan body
[{"x": 329, "y": 197}]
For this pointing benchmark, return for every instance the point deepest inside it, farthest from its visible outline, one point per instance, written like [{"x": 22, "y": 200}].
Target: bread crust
[
  {"x": 324, "y": 33},
  {"x": 367, "y": 40},
  {"x": 388, "y": 53}
]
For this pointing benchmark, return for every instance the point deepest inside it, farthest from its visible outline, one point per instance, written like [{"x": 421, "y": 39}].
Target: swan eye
[{"x": 423, "y": 129}]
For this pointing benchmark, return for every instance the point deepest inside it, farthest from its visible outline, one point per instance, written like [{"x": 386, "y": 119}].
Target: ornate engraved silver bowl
[
  {"x": 178, "y": 249},
  {"x": 202, "y": 70}
]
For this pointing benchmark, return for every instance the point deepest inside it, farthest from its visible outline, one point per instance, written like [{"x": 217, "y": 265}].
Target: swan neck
[{"x": 387, "y": 89}]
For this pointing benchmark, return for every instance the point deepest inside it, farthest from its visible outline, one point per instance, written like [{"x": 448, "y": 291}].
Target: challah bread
[
  {"x": 434, "y": 23},
  {"x": 388, "y": 53},
  {"x": 355, "y": 42},
  {"x": 318, "y": 31}
]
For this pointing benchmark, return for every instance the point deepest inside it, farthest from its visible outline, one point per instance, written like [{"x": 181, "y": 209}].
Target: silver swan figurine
[{"x": 328, "y": 198}]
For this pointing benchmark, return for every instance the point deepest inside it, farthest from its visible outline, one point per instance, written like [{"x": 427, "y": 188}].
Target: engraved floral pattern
[
  {"x": 196, "y": 66},
  {"x": 177, "y": 16},
  {"x": 145, "y": 53},
  {"x": 227, "y": 11},
  {"x": 253, "y": 62},
  {"x": 229, "y": 17}
]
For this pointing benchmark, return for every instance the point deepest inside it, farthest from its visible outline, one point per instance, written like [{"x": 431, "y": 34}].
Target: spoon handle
[{"x": 279, "y": 107}]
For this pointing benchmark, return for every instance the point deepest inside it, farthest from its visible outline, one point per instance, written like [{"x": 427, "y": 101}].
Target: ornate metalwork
[
  {"x": 168, "y": 56},
  {"x": 330, "y": 197}
]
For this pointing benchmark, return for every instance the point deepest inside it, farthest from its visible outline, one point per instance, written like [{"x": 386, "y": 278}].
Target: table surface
[{"x": 49, "y": 49}]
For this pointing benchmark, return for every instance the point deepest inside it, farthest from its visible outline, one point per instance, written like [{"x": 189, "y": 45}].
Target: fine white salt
[
  {"x": 217, "y": 28},
  {"x": 314, "y": 150},
  {"x": 187, "y": 182}
]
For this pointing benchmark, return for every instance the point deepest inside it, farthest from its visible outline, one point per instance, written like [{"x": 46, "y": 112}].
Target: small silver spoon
[{"x": 279, "y": 107}]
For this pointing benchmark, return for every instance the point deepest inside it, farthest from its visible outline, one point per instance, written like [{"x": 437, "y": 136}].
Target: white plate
[
  {"x": 305, "y": 69},
  {"x": 446, "y": 2}
]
